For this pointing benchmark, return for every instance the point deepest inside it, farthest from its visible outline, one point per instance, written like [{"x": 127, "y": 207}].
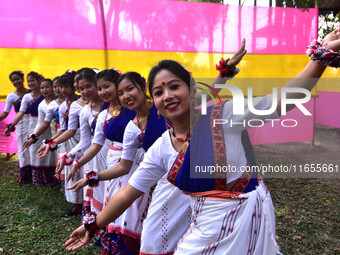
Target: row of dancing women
[{"x": 124, "y": 157}]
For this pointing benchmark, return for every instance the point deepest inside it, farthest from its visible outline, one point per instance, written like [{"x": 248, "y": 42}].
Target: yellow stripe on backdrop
[
  {"x": 53, "y": 62},
  {"x": 48, "y": 62}
]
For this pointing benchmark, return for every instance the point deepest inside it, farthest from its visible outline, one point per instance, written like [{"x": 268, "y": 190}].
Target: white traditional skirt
[
  {"x": 71, "y": 196},
  {"x": 130, "y": 222},
  {"x": 244, "y": 224},
  {"x": 25, "y": 171},
  {"x": 168, "y": 218},
  {"x": 95, "y": 196},
  {"x": 22, "y": 134},
  {"x": 43, "y": 169}
]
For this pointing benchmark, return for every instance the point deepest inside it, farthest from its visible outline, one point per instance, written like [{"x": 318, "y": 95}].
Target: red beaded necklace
[{"x": 186, "y": 138}]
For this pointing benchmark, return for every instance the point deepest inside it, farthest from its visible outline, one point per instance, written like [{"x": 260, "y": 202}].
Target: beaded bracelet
[
  {"x": 67, "y": 160},
  {"x": 34, "y": 137},
  {"x": 53, "y": 145},
  {"x": 92, "y": 177},
  {"x": 11, "y": 127},
  {"x": 322, "y": 55},
  {"x": 89, "y": 221},
  {"x": 225, "y": 70}
]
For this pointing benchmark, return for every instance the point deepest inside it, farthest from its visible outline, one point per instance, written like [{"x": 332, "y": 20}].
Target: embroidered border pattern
[{"x": 218, "y": 147}]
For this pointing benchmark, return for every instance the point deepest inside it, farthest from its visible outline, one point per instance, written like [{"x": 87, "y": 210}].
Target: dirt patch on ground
[{"x": 324, "y": 150}]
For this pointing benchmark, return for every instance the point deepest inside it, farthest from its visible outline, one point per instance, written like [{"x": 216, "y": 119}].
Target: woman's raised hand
[
  {"x": 332, "y": 40},
  {"x": 237, "y": 57}
]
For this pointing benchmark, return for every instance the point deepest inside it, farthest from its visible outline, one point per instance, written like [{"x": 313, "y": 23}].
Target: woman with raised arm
[
  {"x": 14, "y": 99},
  {"x": 230, "y": 215},
  {"x": 169, "y": 213}
]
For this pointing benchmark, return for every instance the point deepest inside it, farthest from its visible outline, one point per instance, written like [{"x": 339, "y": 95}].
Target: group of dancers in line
[{"x": 124, "y": 159}]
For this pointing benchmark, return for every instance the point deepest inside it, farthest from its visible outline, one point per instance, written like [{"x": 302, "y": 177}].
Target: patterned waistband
[{"x": 217, "y": 194}]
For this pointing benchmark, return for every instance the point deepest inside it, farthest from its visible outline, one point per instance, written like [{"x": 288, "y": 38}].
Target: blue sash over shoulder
[
  {"x": 56, "y": 114},
  {"x": 17, "y": 103},
  {"x": 206, "y": 150},
  {"x": 33, "y": 106},
  {"x": 155, "y": 127},
  {"x": 114, "y": 130}
]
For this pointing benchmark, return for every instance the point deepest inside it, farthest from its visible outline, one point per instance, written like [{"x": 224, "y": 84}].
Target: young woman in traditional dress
[
  {"x": 140, "y": 134},
  {"x": 229, "y": 216},
  {"x": 14, "y": 99},
  {"x": 69, "y": 124},
  {"x": 41, "y": 169},
  {"x": 52, "y": 112},
  {"x": 169, "y": 213},
  {"x": 110, "y": 128},
  {"x": 47, "y": 175},
  {"x": 88, "y": 117}
]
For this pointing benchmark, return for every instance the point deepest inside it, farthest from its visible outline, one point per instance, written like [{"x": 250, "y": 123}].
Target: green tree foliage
[
  {"x": 327, "y": 23},
  {"x": 300, "y": 4}
]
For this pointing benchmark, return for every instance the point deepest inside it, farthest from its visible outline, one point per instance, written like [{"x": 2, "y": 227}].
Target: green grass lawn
[
  {"x": 307, "y": 215},
  {"x": 33, "y": 218}
]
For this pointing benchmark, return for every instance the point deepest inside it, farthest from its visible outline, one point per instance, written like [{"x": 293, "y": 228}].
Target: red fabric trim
[
  {"x": 89, "y": 193},
  {"x": 176, "y": 167},
  {"x": 122, "y": 231},
  {"x": 96, "y": 204},
  {"x": 217, "y": 194}
]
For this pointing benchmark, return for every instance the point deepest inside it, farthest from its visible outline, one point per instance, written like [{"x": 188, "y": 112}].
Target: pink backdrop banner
[
  {"x": 153, "y": 25},
  {"x": 8, "y": 144},
  {"x": 59, "y": 24},
  {"x": 327, "y": 109},
  {"x": 304, "y": 131}
]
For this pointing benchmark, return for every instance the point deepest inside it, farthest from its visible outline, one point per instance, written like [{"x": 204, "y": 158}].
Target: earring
[{"x": 158, "y": 114}]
